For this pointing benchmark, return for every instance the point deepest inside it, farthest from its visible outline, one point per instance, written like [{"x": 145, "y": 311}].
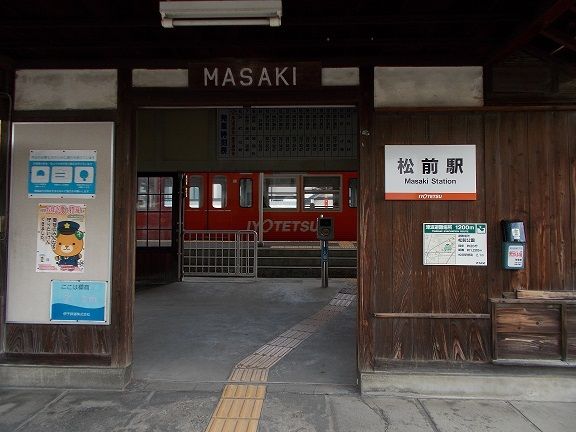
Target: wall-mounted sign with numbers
[
  {"x": 286, "y": 133},
  {"x": 430, "y": 172}
]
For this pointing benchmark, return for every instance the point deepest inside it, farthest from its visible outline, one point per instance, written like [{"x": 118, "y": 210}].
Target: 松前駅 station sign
[{"x": 430, "y": 172}]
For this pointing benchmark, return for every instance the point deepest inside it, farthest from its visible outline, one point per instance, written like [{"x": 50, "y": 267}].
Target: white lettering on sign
[
  {"x": 228, "y": 78},
  {"x": 283, "y": 226},
  {"x": 247, "y": 76},
  {"x": 210, "y": 76}
]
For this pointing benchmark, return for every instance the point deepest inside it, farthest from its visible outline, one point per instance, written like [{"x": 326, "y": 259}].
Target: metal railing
[{"x": 220, "y": 253}]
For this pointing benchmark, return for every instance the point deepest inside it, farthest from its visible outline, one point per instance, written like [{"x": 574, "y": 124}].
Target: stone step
[
  {"x": 305, "y": 272},
  {"x": 307, "y": 252},
  {"x": 305, "y": 261}
]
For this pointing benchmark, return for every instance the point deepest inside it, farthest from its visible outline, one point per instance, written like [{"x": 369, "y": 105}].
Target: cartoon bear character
[{"x": 69, "y": 244}]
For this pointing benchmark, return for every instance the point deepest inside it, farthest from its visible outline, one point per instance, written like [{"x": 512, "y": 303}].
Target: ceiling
[{"x": 338, "y": 32}]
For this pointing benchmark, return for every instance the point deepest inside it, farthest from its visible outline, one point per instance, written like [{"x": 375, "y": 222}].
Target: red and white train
[{"x": 279, "y": 206}]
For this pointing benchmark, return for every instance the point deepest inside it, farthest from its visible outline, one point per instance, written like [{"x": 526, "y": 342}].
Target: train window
[
  {"x": 280, "y": 193},
  {"x": 353, "y": 193},
  {"x": 154, "y": 212},
  {"x": 219, "y": 192},
  {"x": 142, "y": 194},
  {"x": 167, "y": 196},
  {"x": 245, "y": 192},
  {"x": 321, "y": 192},
  {"x": 195, "y": 191}
]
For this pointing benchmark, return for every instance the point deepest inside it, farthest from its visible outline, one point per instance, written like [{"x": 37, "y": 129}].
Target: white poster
[
  {"x": 430, "y": 172},
  {"x": 61, "y": 238}
]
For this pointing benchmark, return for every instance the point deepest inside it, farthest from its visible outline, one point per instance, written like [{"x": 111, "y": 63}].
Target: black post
[{"x": 324, "y": 262}]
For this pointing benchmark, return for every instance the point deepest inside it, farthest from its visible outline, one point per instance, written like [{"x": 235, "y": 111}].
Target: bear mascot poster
[{"x": 61, "y": 239}]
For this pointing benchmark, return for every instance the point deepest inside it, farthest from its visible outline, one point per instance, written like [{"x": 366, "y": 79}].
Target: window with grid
[
  {"x": 154, "y": 212},
  {"x": 280, "y": 193},
  {"x": 321, "y": 192}
]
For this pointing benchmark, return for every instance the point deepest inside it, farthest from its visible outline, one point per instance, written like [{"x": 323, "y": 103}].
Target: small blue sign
[
  {"x": 77, "y": 301},
  {"x": 62, "y": 173}
]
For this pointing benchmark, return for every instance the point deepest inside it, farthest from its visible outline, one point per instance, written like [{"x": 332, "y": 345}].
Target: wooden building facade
[{"x": 524, "y": 130}]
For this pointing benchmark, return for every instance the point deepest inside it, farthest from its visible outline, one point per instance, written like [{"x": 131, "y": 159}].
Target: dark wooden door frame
[
  {"x": 177, "y": 208},
  {"x": 361, "y": 97}
]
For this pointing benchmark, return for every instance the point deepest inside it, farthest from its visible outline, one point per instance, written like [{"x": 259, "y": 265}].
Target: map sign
[{"x": 463, "y": 244}]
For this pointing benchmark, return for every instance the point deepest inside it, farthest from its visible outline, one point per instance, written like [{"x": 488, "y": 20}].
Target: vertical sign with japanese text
[{"x": 430, "y": 172}]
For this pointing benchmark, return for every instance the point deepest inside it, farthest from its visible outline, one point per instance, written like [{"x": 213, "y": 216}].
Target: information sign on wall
[
  {"x": 78, "y": 301},
  {"x": 287, "y": 133},
  {"x": 430, "y": 172},
  {"x": 62, "y": 173},
  {"x": 463, "y": 244}
]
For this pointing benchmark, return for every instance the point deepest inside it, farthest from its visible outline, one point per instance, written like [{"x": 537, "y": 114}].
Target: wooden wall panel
[
  {"x": 571, "y": 332},
  {"x": 524, "y": 78},
  {"x": 562, "y": 137},
  {"x": 526, "y": 171},
  {"x": 156, "y": 265},
  {"x": 57, "y": 339}
]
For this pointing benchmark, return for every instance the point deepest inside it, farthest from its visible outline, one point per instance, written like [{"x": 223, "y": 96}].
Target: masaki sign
[
  {"x": 430, "y": 172},
  {"x": 255, "y": 75}
]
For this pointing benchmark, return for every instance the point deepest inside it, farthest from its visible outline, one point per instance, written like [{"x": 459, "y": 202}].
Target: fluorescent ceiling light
[{"x": 221, "y": 12}]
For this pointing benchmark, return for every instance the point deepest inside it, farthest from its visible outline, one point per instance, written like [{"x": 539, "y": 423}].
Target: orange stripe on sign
[{"x": 430, "y": 196}]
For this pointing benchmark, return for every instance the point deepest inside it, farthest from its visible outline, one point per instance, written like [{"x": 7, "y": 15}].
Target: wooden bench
[{"x": 535, "y": 326}]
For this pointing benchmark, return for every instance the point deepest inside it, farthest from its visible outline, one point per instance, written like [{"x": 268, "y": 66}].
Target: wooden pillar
[
  {"x": 366, "y": 241},
  {"x": 6, "y": 79},
  {"x": 124, "y": 241}
]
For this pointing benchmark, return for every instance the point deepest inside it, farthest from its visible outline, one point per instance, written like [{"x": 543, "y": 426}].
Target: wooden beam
[
  {"x": 549, "y": 295},
  {"x": 6, "y": 62},
  {"x": 387, "y": 315},
  {"x": 522, "y": 37},
  {"x": 551, "y": 60},
  {"x": 560, "y": 37}
]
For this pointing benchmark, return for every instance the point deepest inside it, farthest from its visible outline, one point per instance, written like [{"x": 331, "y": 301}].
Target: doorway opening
[{"x": 191, "y": 324}]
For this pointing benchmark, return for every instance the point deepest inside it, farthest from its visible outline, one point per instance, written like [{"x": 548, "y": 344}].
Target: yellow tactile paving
[
  {"x": 232, "y": 425},
  {"x": 273, "y": 351},
  {"x": 286, "y": 342},
  {"x": 248, "y": 375},
  {"x": 242, "y": 399},
  {"x": 244, "y": 391}
]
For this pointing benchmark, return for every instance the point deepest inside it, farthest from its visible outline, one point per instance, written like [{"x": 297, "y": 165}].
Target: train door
[{"x": 220, "y": 201}]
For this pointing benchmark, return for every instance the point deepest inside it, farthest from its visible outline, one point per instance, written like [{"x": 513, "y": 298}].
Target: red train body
[{"x": 291, "y": 203}]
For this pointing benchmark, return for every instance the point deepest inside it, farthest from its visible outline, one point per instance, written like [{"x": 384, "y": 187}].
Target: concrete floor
[
  {"x": 25, "y": 410},
  {"x": 190, "y": 335},
  {"x": 196, "y": 331}
]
